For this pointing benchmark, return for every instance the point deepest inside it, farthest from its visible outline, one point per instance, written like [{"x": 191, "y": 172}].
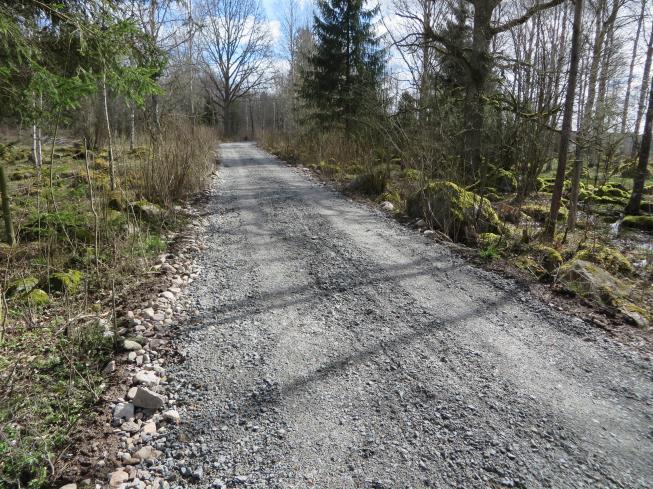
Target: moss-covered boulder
[
  {"x": 37, "y": 297},
  {"x": 635, "y": 314},
  {"x": 504, "y": 181},
  {"x": 21, "y": 286},
  {"x": 612, "y": 190},
  {"x": 116, "y": 201},
  {"x": 549, "y": 258},
  {"x": 540, "y": 213},
  {"x": 489, "y": 240},
  {"x": 609, "y": 258},
  {"x": 643, "y": 223},
  {"x": 592, "y": 282},
  {"x": 65, "y": 282},
  {"x": 146, "y": 211},
  {"x": 455, "y": 211}
]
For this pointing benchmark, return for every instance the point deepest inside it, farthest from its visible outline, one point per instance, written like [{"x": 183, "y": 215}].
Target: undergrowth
[{"x": 80, "y": 248}]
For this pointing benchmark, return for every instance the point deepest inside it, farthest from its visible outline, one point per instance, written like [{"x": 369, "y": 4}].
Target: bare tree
[
  {"x": 236, "y": 49},
  {"x": 565, "y": 134},
  {"x": 644, "y": 153}
]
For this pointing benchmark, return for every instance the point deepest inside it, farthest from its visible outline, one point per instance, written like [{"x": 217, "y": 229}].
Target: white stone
[
  {"x": 146, "y": 378},
  {"x": 172, "y": 415}
]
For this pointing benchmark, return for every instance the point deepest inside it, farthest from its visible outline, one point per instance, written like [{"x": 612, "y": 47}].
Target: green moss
[
  {"x": 644, "y": 223},
  {"x": 504, "y": 181},
  {"x": 548, "y": 257},
  {"x": 609, "y": 258},
  {"x": 37, "y": 297},
  {"x": 529, "y": 265},
  {"x": 592, "y": 282},
  {"x": 21, "y": 286},
  {"x": 457, "y": 212},
  {"x": 611, "y": 190},
  {"x": 541, "y": 213},
  {"x": 487, "y": 240},
  {"x": 390, "y": 196},
  {"x": 412, "y": 175},
  {"x": 146, "y": 211},
  {"x": 65, "y": 282}
]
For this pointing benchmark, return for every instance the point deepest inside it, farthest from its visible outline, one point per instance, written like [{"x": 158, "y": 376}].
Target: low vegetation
[{"x": 80, "y": 247}]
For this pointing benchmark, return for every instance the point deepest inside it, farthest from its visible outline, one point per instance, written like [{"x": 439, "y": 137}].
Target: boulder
[
  {"x": 606, "y": 257},
  {"x": 146, "y": 399},
  {"x": 65, "y": 282},
  {"x": 593, "y": 282},
  {"x": 504, "y": 181},
  {"x": 643, "y": 223},
  {"x": 455, "y": 211},
  {"x": 21, "y": 286},
  {"x": 37, "y": 297},
  {"x": 146, "y": 211}
]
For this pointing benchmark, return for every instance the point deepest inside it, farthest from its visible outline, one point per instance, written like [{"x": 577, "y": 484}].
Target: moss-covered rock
[
  {"x": 457, "y": 212},
  {"x": 549, "y": 258},
  {"x": 635, "y": 314},
  {"x": 489, "y": 240},
  {"x": 21, "y": 286},
  {"x": 22, "y": 174},
  {"x": 609, "y": 258},
  {"x": 540, "y": 213},
  {"x": 116, "y": 200},
  {"x": 412, "y": 175},
  {"x": 530, "y": 265},
  {"x": 612, "y": 190},
  {"x": 503, "y": 180},
  {"x": 65, "y": 282},
  {"x": 146, "y": 211},
  {"x": 644, "y": 223},
  {"x": 37, "y": 297},
  {"x": 592, "y": 282}
]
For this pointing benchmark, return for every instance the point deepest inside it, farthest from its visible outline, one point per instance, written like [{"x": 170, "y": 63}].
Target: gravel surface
[{"x": 332, "y": 347}]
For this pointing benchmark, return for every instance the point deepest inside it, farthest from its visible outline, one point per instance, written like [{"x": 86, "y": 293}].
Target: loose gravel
[{"x": 332, "y": 347}]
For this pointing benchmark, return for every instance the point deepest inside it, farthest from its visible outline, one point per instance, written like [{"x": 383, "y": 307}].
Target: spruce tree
[{"x": 344, "y": 72}]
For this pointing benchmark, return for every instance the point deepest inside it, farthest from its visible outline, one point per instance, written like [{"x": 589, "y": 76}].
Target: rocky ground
[{"x": 323, "y": 344}]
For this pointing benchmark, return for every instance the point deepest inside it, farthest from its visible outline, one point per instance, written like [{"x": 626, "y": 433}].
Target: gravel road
[{"x": 332, "y": 347}]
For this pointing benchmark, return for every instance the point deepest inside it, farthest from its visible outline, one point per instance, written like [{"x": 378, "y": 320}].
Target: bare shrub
[{"x": 180, "y": 161}]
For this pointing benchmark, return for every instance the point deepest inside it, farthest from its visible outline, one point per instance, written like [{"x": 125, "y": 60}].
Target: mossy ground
[{"x": 67, "y": 260}]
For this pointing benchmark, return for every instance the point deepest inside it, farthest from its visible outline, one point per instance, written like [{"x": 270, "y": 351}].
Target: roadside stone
[
  {"x": 131, "y": 345},
  {"x": 147, "y": 453},
  {"x": 117, "y": 478},
  {"x": 145, "y": 398},
  {"x": 123, "y": 410},
  {"x": 169, "y": 296},
  {"x": 387, "y": 206},
  {"x": 172, "y": 415},
  {"x": 109, "y": 367},
  {"x": 69, "y": 486},
  {"x": 146, "y": 378},
  {"x": 130, "y": 427}
]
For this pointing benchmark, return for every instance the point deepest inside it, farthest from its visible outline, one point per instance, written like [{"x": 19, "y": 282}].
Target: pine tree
[{"x": 345, "y": 69}]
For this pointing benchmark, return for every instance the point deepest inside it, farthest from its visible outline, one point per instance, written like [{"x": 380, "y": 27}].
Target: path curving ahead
[{"x": 335, "y": 348}]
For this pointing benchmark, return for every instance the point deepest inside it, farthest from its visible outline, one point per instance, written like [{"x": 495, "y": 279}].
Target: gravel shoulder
[{"x": 332, "y": 347}]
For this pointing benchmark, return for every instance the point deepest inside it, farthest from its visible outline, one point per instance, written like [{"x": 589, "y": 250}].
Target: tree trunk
[
  {"x": 132, "y": 127},
  {"x": 642, "y": 94},
  {"x": 586, "y": 122},
  {"x": 6, "y": 208},
  {"x": 633, "y": 58},
  {"x": 479, "y": 70},
  {"x": 112, "y": 174},
  {"x": 644, "y": 152},
  {"x": 565, "y": 134}
]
